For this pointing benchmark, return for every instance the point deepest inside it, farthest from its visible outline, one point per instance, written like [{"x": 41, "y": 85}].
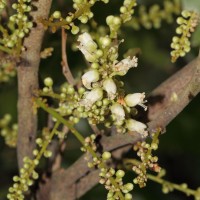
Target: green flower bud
[
  {"x": 106, "y": 155},
  {"x": 48, "y": 82},
  {"x": 56, "y": 14},
  {"x": 120, "y": 173}
]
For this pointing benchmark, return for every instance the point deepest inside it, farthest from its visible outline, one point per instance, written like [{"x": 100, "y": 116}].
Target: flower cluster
[
  {"x": 187, "y": 24},
  {"x": 153, "y": 17},
  {"x": 82, "y": 12},
  {"x": 2, "y": 4},
  {"x": 109, "y": 177},
  {"x": 28, "y": 174},
  {"x": 104, "y": 96},
  {"x": 127, "y": 10},
  {"x": 102, "y": 99},
  {"x": 8, "y": 133},
  {"x": 21, "y": 22},
  {"x": 144, "y": 151},
  {"x": 24, "y": 180},
  {"x": 115, "y": 22},
  {"x": 7, "y": 68}
]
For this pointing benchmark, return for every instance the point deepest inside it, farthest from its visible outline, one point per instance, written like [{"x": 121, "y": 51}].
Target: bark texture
[{"x": 28, "y": 83}]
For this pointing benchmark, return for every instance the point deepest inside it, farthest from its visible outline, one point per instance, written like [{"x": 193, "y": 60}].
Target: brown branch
[
  {"x": 65, "y": 66},
  {"x": 173, "y": 95},
  {"x": 28, "y": 83},
  {"x": 165, "y": 103}
]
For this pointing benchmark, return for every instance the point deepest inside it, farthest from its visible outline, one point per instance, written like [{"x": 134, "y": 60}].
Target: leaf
[
  {"x": 191, "y": 5},
  {"x": 196, "y": 37}
]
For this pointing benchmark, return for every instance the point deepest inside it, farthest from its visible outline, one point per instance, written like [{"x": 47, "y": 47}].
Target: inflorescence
[
  {"x": 9, "y": 133},
  {"x": 187, "y": 24},
  {"x": 18, "y": 27}
]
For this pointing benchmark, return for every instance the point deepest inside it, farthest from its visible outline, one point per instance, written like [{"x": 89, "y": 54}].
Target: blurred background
[{"x": 178, "y": 152}]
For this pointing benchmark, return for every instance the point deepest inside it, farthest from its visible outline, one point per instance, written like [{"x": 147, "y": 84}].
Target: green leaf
[
  {"x": 195, "y": 41},
  {"x": 191, "y": 5}
]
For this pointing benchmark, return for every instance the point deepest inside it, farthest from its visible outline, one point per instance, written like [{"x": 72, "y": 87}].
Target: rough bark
[{"x": 28, "y": 83}]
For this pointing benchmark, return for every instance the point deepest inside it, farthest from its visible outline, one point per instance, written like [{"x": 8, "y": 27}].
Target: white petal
[
  {"x": 91, "y": 97},
  {"x": 135, "y": 99},
  {"x": 87, "y": 42},
  {"x": 124, "y": 65},
  {"x": 137, "y": 126},
  {"x": 90, "y": 77},
  {"x": 118, "y": 111},
  {"x": 110, "y": 87}
]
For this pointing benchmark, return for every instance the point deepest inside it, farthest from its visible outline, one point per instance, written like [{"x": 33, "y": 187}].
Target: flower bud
[
  {"x": 106, "y": 155},
  {"x": 88, "y": 47},
  {"x": 90, "y": 77},
  {"x": 122, "y": 67},
  {"x": 48, "y": 82},
  {"x": 120, "y": 173},
  {"x": 135, "y": 99},
  {"x": 118, "y": 112},
  {"x": 110, "y": 87},
  {"x": 137, "y": 126},
  {"x": 91, "y": 97}
]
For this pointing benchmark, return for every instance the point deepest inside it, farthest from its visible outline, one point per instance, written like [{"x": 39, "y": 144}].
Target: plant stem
[{"x": 180, "y": 188}]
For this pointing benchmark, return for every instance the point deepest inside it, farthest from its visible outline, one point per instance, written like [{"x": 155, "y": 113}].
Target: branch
[
  {"x": 28, "y": 83},
  {"x": 65, "y": 66},
  {"x": 165, "y": 103},
  {"x": 173, "y": 95}
]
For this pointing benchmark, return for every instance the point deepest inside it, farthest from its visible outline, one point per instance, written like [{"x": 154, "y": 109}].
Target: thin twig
[
  {"x": 95, "y": 129},
  {"x": 65, "y": 66}
]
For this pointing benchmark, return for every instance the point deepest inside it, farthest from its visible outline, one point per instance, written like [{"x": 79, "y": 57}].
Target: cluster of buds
[
  {"x": 2, "y": 4},
  {"x": 127, "y": 10},
  {"x": 155, "y": 15},
  {"x": 112, "y": 180},
  {"x": 144, "y": 151},
  {"x": 187, "y": 24},
  {"x": 89, "y": 141},
  {"x": 7, "y": 68},
  {"x": 8, "y": 133},
  {"x": 28, "y": 174},
  {"x": 83, "y": 13},
  {"x": 25, "y": 180},
  {"x": 21, "y": 21},
  {"x": 109, "y": 177}
]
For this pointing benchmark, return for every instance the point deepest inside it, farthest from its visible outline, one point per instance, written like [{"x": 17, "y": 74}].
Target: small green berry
[
  {"x": 48, "y": 82},
  {"x": 56, "y": 14},
  {"x": 120, "y": 173},
  {"x": 106, "y": 155}
]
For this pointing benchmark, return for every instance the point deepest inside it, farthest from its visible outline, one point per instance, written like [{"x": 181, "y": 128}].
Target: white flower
[
  {"x": 110, "y": 87},
  {"x": 137, "y": 126},
  {"x": 88, "y": 47},
  {"x": 135, "y": 99},
  {"x": 118, "y": 112},
  {"x": 91, "y": 97},
  {"x": 90, "y": 77},
  {"x": 122, "y": 67}
]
